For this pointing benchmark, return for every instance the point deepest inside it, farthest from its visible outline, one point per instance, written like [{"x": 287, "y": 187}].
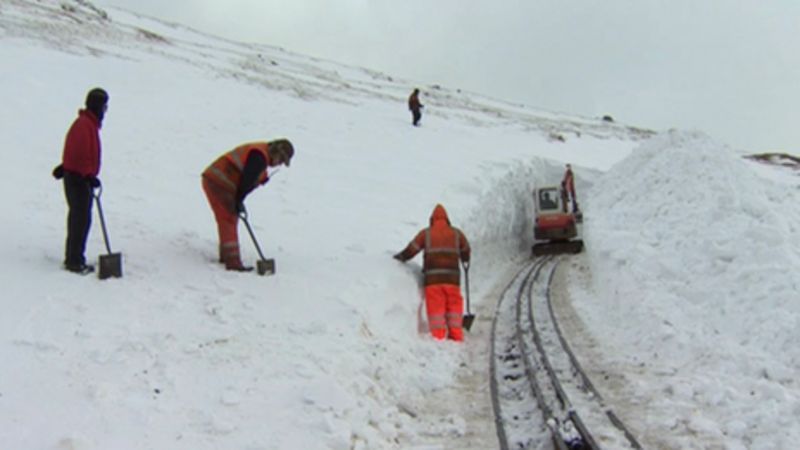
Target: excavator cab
[
  {"x": 549, "y": 200},
  {"x": 554, "y": 229}
]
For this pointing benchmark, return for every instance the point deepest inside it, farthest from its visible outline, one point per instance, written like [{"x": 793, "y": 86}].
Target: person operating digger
[
  {"x": 444, "y": 247},
  {"x": 229, "y": 179}
]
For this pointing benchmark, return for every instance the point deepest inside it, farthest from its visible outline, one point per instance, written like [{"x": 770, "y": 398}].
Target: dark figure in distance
[{"x": 416, "y": 107}]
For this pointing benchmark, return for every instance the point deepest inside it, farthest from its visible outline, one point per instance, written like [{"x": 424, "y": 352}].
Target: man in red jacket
[
  {"x": 79, "y": 167},
  {"x": 444, "y": 246}
]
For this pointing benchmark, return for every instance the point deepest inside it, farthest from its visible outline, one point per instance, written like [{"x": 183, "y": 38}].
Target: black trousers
[
  {"x": 417, "y": 114},
  {"x": 78, "y": 192}
]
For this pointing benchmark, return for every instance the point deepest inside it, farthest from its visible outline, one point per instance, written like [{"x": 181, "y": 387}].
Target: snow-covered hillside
[{"x": 332, "y": 353}]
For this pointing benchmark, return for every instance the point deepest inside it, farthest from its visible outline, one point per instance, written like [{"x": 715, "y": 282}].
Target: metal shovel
[
  {"x": 110, "y": 264},
  {"x": 264, "y": 265},
  {"x": 468, "y": 317}
]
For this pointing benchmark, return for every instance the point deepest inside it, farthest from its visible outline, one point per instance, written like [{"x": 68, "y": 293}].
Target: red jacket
[
  {"x": 82, "y": 145},
  {"x": 443, "y": 245}
]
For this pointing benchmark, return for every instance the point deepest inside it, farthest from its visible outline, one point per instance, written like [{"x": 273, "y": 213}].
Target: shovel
[
  {"x": 468, "y": 317},
  {"x": 110, "y": 264},
  {"x": 264, "y": 265}
]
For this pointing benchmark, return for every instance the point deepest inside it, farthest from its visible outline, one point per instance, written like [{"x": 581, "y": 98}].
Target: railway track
[{"x": 540, "y": 392}]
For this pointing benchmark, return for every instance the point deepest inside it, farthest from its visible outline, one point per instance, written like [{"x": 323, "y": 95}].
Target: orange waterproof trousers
[
  {"x": 445, "y": 308},
  {"x": 223, "y": 205}
]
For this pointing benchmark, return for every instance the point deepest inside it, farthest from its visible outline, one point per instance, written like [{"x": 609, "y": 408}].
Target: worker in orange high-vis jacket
[
  {"x": 229, "y": 179},
  {"x": 444, "y": 247},
  {"x": 568, "y": 189}
]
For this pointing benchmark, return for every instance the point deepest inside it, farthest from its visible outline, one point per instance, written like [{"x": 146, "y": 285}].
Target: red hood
[{"x": 439, "y": 215}]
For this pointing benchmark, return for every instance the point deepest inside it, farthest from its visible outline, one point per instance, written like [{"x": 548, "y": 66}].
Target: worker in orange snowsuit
[
  {"x": 568, "y": 189},
  {"x": 229, "y": 179},
  {"x": 444, "y": 246}
]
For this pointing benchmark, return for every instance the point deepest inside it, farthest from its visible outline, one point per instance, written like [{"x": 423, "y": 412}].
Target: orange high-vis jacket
[
  {"x": 444, "y": 247},
  {"x": 226, "y": 171},
  {"x": 569, "y": 182}
]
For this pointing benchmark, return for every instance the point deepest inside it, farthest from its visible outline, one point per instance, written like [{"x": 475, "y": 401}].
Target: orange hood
[{"x": 439, "y": 215}]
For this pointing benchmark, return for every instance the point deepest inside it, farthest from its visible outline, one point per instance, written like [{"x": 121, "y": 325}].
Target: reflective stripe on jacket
[
  {"x": 445, "y": 246},
  {"x": 226, "y": 171}
]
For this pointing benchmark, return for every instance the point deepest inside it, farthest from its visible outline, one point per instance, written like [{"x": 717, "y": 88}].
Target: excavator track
[{"x": 558, "y": 248}]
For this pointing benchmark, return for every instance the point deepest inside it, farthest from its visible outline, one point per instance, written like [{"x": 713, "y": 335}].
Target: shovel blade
[
  {"x": 467, "y": 321},
  {"x": 266, "y": 267},
  {"x": 110, "y": 266}
]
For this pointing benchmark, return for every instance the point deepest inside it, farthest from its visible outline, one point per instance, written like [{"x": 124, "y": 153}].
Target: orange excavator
[{"x": 555, "y": 230}]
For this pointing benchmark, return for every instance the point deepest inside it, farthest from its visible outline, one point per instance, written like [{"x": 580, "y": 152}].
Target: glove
[
  {"x": 240, "y": 207},
  {"x": 399, "y": 257},
  {"x": 58, "y": 172},
  {"x": 94, "y": 182}
]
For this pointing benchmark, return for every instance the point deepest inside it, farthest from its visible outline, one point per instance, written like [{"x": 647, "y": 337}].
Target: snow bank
[{"x": 692, "y": 255}]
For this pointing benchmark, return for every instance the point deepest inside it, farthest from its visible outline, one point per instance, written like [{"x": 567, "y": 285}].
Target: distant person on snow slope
[
  {"x": 416, "y": 107},
  {"x": 444, "y": 247},
  {"x": 79, "y": 168},
  {"x": 229, "y": 179}
]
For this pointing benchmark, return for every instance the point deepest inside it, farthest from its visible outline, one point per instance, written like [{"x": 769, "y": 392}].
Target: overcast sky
[{"x": 727, "y": 67}]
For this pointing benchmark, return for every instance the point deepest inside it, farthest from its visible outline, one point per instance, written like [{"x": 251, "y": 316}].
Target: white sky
[{"x": 730, "y": 68}]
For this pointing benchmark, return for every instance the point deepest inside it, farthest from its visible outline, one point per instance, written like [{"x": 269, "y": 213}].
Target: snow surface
[{"x": 688, "y": 289}]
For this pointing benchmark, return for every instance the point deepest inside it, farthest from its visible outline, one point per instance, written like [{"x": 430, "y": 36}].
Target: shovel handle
[
  {"x": 243, "y": 215},
  {"x": 97, "y": 195},
  {"x": 466, "y": 283}
]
